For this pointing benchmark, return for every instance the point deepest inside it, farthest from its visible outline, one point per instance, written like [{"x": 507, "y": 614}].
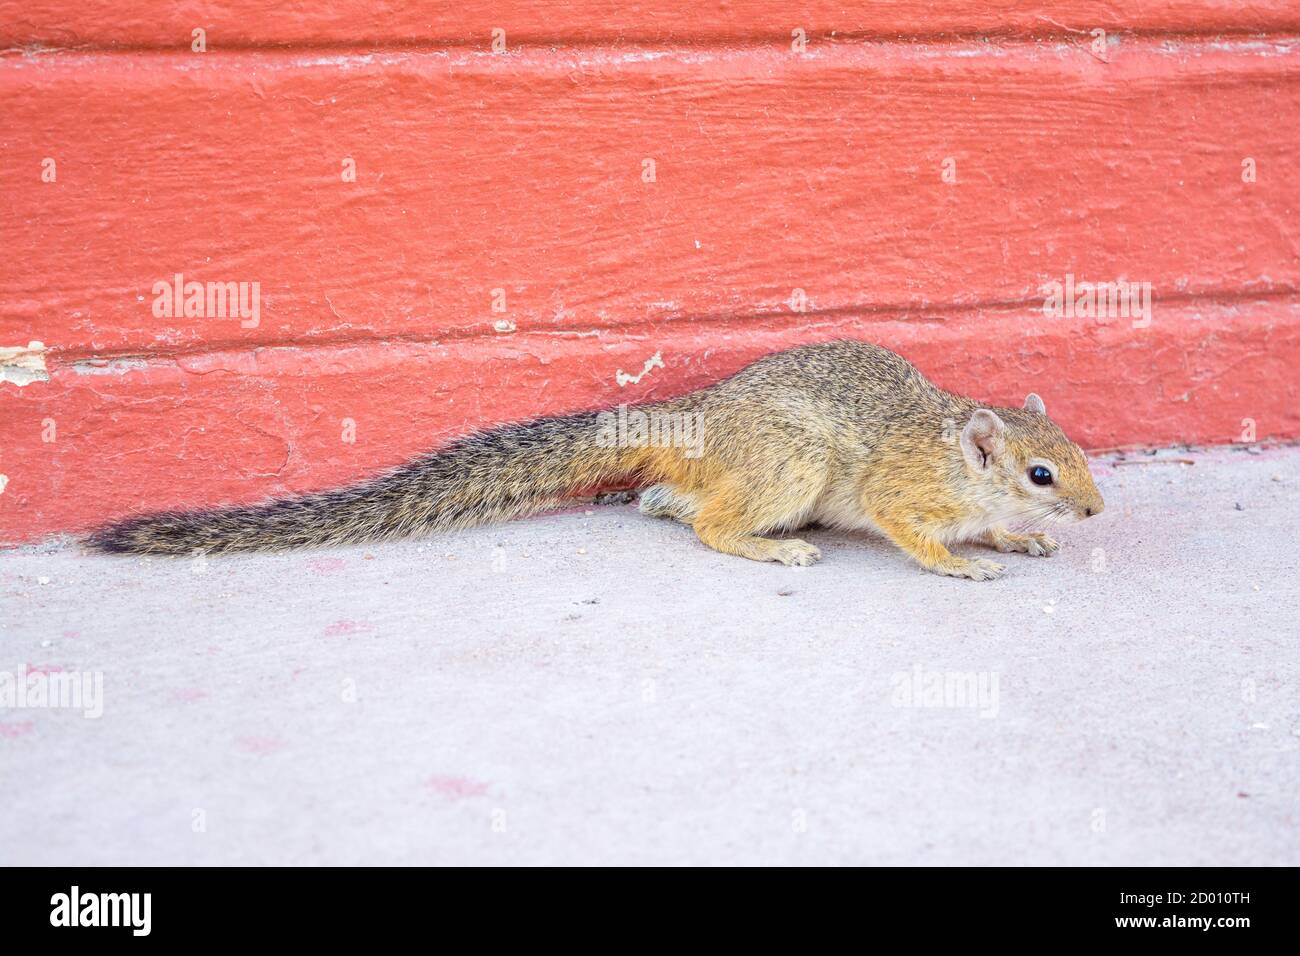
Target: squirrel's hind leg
[
  {"x": 729, "y": 517},
  {"x": 668, "y": 501}
]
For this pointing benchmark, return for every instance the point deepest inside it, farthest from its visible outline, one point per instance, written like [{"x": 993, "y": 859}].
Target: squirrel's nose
[{"x": 1095, "y": 507}]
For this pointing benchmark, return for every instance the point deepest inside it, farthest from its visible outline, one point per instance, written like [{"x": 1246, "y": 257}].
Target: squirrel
[{"x": 844, "y": 434}]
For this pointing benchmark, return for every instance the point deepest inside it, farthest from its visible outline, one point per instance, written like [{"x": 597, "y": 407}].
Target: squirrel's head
[{"x": 1027, "y": 465}]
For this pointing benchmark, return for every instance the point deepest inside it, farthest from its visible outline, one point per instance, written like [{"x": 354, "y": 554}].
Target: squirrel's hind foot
[
  {"x": 664, "y": 501},
  {"x": 793, "y": 552}
]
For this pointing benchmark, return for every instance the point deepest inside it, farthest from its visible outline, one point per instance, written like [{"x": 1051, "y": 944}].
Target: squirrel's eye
[{"x": 1040, "y": 475}]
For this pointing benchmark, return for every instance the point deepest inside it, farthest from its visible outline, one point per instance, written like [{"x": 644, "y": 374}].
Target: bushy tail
[{"x": 494, "y": 475}]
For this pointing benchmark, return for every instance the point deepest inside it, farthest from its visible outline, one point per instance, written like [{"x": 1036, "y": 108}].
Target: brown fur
[{"x": 845, "y": 433}]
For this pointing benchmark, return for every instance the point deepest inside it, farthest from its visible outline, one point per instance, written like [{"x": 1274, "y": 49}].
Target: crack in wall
[
  {"x": 125, "y": 360},
  {"x": 1246, "y": 36}
]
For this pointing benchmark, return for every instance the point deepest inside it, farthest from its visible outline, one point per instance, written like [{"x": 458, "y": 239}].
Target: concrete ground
[{"x": 597, "y": 687}]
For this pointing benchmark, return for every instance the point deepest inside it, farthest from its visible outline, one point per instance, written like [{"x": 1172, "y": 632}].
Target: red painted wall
[{"x": 518, "y": 179}]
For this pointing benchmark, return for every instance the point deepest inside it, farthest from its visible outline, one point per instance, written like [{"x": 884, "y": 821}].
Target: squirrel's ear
[
  {"x": 1035, "y": 404},
  {"x": 981, "y": 439}
]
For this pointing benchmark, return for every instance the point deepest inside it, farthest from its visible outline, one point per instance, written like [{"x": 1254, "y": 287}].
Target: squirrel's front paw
[
  {"x": 980, "y": 569},
  {"x": 1036, "y": 543},
  {"x": 796, "y": 553},
  {"x": 1041, "y": 544}
]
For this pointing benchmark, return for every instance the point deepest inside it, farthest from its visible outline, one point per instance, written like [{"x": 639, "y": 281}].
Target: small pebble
[{"x": 42, "y": 580}]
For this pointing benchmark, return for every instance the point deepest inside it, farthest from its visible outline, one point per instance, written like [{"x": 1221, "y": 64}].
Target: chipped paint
[
  {"x": 624, "y": 379},
  {"x": 4, "y": 480},
  {"x": 23, "y": 365}
]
